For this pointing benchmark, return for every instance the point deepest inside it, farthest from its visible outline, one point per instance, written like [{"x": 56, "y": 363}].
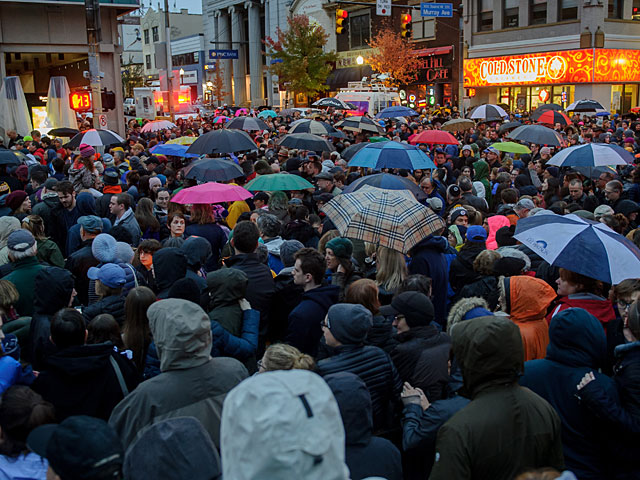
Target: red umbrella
[
  {"x": 551, "y": 117},
  {"x": 211, "y": 192},
  {"x": 435, "y": 137}
]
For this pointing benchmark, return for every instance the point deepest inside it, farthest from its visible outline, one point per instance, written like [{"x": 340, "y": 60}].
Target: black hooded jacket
[{"x": 169, "y": 264}]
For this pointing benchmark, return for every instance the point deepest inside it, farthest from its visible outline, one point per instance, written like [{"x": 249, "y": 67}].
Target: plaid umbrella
[{"x": 391, "y": 218}]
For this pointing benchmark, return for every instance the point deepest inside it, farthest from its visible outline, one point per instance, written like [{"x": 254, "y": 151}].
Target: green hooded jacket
[{"x": 481, "y": 169}]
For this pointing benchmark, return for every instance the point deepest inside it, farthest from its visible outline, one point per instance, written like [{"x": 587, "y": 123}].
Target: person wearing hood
[
  {"x": 197, "y": 250},
  {"x": 270, "y": 228},
  {"x": 169, "y": 265},
  {"x": 80, "y": 379},
  {"x": 526, "y": 300},
  {"x": 577, "y": 346},
  {"x": 481, "y": 169},
  {"x": 22, "y": 250},
  {"x": 630, "y": 210},
  {"x": 505, "y": 428},
  {"x": 192, "y": 383},
  {"x": 495, "y": 223},
  {"x": 287, "y": 295},
  {"x": 46, "y": 208},
  {"x": 461, "y": 271},
  {"x": 304, "y": 329},
  {"x": 202, "y": 223},
  {"x": 109, "y": 281},
  {"x": 366, "y": 454},
  {"x": 7, "y": 226}
]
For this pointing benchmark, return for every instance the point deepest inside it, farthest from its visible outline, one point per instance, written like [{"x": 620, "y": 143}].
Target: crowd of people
[{"x": 143, "y": 338}]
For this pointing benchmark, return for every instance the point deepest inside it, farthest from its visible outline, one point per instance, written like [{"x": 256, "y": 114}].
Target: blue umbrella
[
  {"x": 392, "y": 155},
  {"x": 387, "y": 182},
  {"x": 267, "y": 113},
  {"x": 583, "y": 246},
  {"x": 397, "y": 111},
  {"x": 173, "y": 150},
  {"x": 591, "y": 155}
]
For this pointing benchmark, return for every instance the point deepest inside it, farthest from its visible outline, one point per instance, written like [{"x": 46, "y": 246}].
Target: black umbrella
[
  {"x": 549, "y": 106},
  {"x": 306, "y": 141},
  {"x": 360, "y": 124},
  {"x": 95, "y": 138},
  {"x": 222, "y": 141},
  {"x": 331, "y": 102},
  {"x": 247, "y": 123},
  {"x": 505, "y": 127},
  {"x": 538, "y": 134},
  {"x": 351, "y": 150},
  {"x": 585, "y": 106},
  {"x": 387, "y": 182},
  {"x": 63, "y": 132},
  {"x": 315, "y": 127},
  {"x": 213, "y": 170},
  {"x": 8, "y": 157}
]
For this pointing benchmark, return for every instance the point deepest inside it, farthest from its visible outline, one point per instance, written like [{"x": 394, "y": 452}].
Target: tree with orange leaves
[{"x": 393, "y": 55}]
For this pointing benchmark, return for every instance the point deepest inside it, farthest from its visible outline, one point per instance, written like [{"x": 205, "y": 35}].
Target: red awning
[{"x": 425, "y": 52}]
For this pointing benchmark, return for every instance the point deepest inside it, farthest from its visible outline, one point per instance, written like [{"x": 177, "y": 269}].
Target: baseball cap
[
  {"x": 90, "y": 223},
  {"x": 109, "y": 274},
  {"x": 476, "y": 233},
  {"x": 492, "y": 150},
  {"x": 525, "y": 203},
  {"x": 415, "y": 306},
  {"x": 20, "y": 240},
  {"x": 467, "y": 147},
  {"x": 79, "y": 448}
]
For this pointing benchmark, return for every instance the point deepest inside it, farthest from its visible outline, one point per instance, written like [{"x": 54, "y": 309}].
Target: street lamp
[
  {"x": 181, "y": 76},
  {"x": 360, "y": 62}
]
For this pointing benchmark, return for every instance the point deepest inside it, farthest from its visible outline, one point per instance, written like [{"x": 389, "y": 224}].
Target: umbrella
[
  {"x": 505, "y": 127},
  {"x": 488, "y": 112},
  {"x": 157, "y": 125},
  {"x": 585, "y": 106},
  {"x": 392, "y": 155},
  {"x": 241, "y": 111},
  {"x": 172, "y": 149},
  {"x": 278, "y": 181},
  {"x": 315, "y": 127},
  {"x": 511, "y": 147},
  {"x": 360, "y": 124},
  {"x": 458, "y": 125},
  {"x": 551, "y": 117},
  {"x": 331, "y": 102},
  {"x": 591, "y": 155},
  {"x": 183, "y": 140},
  {"x": 306, "y": 141},
  {"x": 267, "y": 113},
  {"x": 220, "y": 119},
  {"x": 213, "y": 170},
  {"x": 95, "y": 138},
  {"x": 391, "y": 218},
  {"x": 226, "y": 140},
  {"x": 583, "y": 246},
  {"x": 538, "y": 134},
  {"x": 378, "y": 139},
  {"x": 387, "y": 182},
  {"x": 549, "y": 106},
  {"x": 435, "y": 137},
  {"x": 247, "y": 123},
  {"x": 288, "y": 112},
  {"x": 397, "y": 111},
  {"x": 211, "y": 192},
  {"x": 351, "y": 150},
  {"x": 8, "y": 157},
  {"x": 63, "y": 132},
  {"x": 594, "y": 172}
]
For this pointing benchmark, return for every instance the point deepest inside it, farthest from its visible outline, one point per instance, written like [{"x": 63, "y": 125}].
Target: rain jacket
[
  {"x": 481, "y": 169},
  {"x": 191, "y": 384},
  {"x": 577, "y": 345},
  {"x": 23, "y": 277},
  {"x": 48, "y": 252},
  {"x": 427, "y": 258},
  {"x": 169, "y": 265},
  {"x": 505, "y": 429},
  {"x": 599, "y": 307},
  {"x": 198, "y": 251},
  {"x": 273, "y": 247},
  {"x": 113, "y": 305},
  {"x": 226, "y": 288},
  {"x": 496, "y": 222},
  {"x": 527, "y": 301},
  {"x": 366, "y": 455},
  {"x": 29, "y": 466},
  {"x": 213, "y": 233},
  {"x": 48, "y": 208}
]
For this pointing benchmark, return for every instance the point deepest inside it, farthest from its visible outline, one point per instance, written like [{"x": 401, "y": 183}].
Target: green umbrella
[
  {"x": 278, "y": 181},
  {"x": 378, "y": 139},
  {"x": 511, "y": 147}
]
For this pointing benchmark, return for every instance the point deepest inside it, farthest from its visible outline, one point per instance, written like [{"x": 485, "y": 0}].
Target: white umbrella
[
  {"x": 95, "y": 138},
  {"x": 591, "y": 155},
  {"x": 489, "y": 112},
  {"x": 157, "y": 125}
]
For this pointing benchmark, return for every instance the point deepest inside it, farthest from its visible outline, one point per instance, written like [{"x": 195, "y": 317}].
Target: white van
[{"x": 369, "y": 97}]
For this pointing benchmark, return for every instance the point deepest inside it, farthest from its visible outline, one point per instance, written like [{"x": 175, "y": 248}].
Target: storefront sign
[
  {"x": 543, "y": 95},
  {"x": 226, "y": 54},
  {"x": 571, "y": 66},
  {"x": 432, "y": 68}
]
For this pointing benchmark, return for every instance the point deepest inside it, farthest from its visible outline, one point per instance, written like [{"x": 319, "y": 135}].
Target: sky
[{"x": 194, "y": 6}]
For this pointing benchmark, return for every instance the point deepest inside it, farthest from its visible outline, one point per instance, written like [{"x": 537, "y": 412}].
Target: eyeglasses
[
  {"x": 398, "y": 317},
  {"x": 325, "y": 324},
  {"x": 624, "y": 306}
]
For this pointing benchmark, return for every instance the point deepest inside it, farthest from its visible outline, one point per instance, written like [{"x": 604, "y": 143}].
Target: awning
[
  {"x": 425, "y": 52},
  {"x": 340, "y": 77}
]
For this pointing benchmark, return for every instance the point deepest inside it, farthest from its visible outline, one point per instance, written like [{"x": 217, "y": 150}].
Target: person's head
[
  {"x": 35, "y": 225},
  {"x": 119, "y": 204},
  {"x": 523, "y": 207},
  {"x": 245, "y": 237},
  {"x": 571, "y": 282},
  {"x": 365, "y": 293},
  {"x": 66, "y": 194},
  {"x": 260, "y": 199},
  {"x": 625, "y": 294},
  {"x": 109, "y": 278},
  {"x": 176, "y": 224},
  {"x": 162, "y": 198},
  {"x": 346, "y": 324},
  {"x": 9, "y": 295},
  {"x": 202, "y": 213},
  {"x": 613, "y": 190},
  {"x": 280, "y": 356},
  {"x": 288, "y": 250},
  {"x": 391, "y": 268},
  {"x": 269, "y": 225},
  {"x": 309, "y": 268},
  {"x": 603, "y": 179},
  {"x": 21, "y": 245},
  {"x": 575, "y": 189},
  {"x": 90, "y": 226},
  {"x": 483, "y": 263},
  {"x": 416, "y": 283},
  {"x": 409, "y": 310},
  {"x": 459, "y": 216},
  {"x": 104, "y": 328},
  {"x": 278, "y": 201},
  {"x": 465, "y": 184},
  {"x": 338, "y": 252},
  {"x": 68, "y": 328},
  {"x": 427, "y": 185}
]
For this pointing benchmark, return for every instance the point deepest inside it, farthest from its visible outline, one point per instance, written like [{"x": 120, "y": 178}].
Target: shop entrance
[{"x": 527, "y": 99}]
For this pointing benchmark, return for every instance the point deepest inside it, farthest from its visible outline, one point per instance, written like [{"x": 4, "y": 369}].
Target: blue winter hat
[
  {"x": 109, "y": 274},
  {"x": 104, "y": 248},
  {"x": 349, "y": 323}
]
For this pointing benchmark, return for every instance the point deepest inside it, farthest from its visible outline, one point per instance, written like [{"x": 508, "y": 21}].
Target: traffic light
[
  {"x": 431, "y": 95},
  {"x": 341, "y": 18},
  {"x": 406, "y": 27}
]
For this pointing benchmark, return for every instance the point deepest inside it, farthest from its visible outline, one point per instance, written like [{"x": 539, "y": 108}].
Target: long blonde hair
[
  {"x": 391, "y": 269},
  {"x": 281, "y": 356}
]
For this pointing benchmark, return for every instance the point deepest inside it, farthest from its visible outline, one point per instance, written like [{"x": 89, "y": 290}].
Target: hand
[
  {"x": 340, "y": 269},
  {"x": 586, "y": 380},
  {"x": 414, "y": 395},
  {"x": 244, "y": 304}
]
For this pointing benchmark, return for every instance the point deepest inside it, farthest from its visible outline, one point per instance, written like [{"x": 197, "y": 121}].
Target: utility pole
[
  {"x": 167, "y": 35},
  {"x": 94, "y": 37},
  {"x": 461, "y": 63}
]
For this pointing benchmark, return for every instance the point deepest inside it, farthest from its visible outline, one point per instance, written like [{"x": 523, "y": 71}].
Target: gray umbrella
[
  {"x": 538, "y": 134},
  {"x": 227, "y": 140}
]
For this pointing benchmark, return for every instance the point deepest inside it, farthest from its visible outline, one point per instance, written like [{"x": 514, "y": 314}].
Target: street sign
[
  {"x": 223, "y": 54},
  {"x": 102, "y": 120},
  {"x": 436, "y": 9},
  {"x": 383, "y": 8}
]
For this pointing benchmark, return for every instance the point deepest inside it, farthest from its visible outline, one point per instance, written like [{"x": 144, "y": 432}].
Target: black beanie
[{"x": 504, "y": 236}]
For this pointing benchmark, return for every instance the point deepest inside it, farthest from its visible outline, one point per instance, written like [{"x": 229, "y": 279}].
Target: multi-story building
[{"x": 188, "y": 61}]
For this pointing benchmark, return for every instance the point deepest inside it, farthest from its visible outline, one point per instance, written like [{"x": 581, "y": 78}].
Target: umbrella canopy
[
  {"x": 315, "y": 127},
  {"x": 95, "y": 138},
  {"x": 9, "y": 158},
  {"x": 267, "y": 113},
  {"x": 549, "y": 106},
  {"x": 435, "y": 137},
  {"x": 505, "y": 127},
  {"x": 397, "y": 111},
  {"x": 594, "y": 172},
  {"x": 331, "y": 102},
  {"x": 157, "y": 125},
  {"x": 551, "y": 117},
  {"x": 387, "y": 182},
  {"x": 306, "y": 141},
  {"x": 278, "y": 181},
  {"x": 211, "y": 192},
  {"x": 585, "y": 106},
  {"x": 591, "y": 155},
  {"x": 172, "y": 149},
  {"x": 511, "y": 147},
  {"x": 221, "y": 119},
  {"x": 538, "y": 134},
  {"x": 183, "y": 140},
  {"x": 213, "y": 170},
  {"x": 63, "y": 132},
  {"x": 247, "y": 123},
  {"x": 226, "y": 140},
  {"x": 391, "y": 218},
  {"x": 458, "y": 125},
  {"x": 360, "y": 124},
  {"x": 392, "y": 155},
  {"x": 351, "y": 150},
  {"x": 489, "y": 112},
  {"x": 589, "y": 248},
  {"x": 241, "y": 111}
]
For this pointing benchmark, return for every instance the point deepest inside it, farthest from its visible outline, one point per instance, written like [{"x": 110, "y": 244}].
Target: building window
[
  {"x": 615, "y": 9},
  {"x": 537, "y": 12},
  {"x": 146, "y": 37},
  {"x": 154, "y": 30},
  {"x": 511, "y": 13},
  {"x": 423, "y": 28},
  {"x": 567, "y": 10},
  {"x": 485, "y": 18},
  {"x": 147, "y": 61},
  {"x": 359, "y": 30},
  {"x": 185, "y": 59}
]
